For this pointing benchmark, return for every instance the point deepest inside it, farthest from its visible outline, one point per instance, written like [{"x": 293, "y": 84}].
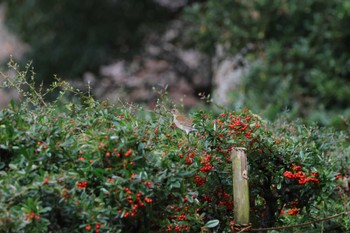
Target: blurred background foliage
[
  {"x": 298, "y": 51},
  {"x": 69, "y": 38}
]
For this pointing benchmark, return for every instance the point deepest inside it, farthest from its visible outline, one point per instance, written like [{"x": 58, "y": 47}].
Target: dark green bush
[{"x": 94, "y": 166}]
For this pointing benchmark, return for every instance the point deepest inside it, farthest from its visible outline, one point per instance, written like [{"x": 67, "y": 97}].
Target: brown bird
[{"x": 182, "y": 122}]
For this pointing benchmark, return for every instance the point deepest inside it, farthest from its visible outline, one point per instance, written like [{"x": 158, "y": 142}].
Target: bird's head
[{"x": 174, "y": 111}]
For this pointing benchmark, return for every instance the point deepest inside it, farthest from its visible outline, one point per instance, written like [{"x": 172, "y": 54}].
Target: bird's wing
[{"x": 184, "y": 120}]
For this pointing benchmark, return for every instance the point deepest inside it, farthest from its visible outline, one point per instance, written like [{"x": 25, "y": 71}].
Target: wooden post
[{"x": 240, "y": 188}]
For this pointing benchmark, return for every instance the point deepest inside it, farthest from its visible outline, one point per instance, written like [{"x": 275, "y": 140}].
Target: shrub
[{"x": 94, "y": 166}]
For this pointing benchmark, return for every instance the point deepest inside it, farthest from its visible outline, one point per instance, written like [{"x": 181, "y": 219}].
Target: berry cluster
[
  {"x": 31, "y": 216},
  {"x": 135, "y": 203},
  {"x": 97, "y": 227},
  {"x": 82, "y": 185},
  {"x": 300, "y": 176}
]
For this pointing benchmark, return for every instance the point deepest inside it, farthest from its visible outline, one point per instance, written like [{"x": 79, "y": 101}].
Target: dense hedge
[{"x": 87, "y": 166}]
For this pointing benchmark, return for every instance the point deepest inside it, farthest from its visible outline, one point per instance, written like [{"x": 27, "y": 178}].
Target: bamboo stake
[{"x": 240, "y": 187}]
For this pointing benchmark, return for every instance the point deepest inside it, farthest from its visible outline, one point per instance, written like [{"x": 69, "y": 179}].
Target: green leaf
[
  {"x": 279, "y": 185},
  {"x": 46, "y": 209},
  {"x": 212, "y": 223},
  {"x": 175, "y": 185},
  {"x": 113, "y": 137},
  {"x": 99, "y": 172},
  {"x": 13, "y": 166},
  {"x": 105, "y": 191}
]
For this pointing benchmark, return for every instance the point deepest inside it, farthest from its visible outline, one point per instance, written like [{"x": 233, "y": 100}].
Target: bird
[{"x": 182, "y": 122}]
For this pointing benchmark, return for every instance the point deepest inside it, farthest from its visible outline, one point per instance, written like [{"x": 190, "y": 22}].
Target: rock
[
  {"x": 185, "y": 71},
  {"x": 10, "y": 45},
  {"x": 228, "y": 74},
  {"x": 6, "y": 96}
]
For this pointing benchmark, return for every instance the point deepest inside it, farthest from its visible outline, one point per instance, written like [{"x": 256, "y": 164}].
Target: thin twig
[
  {"x": 245, "y": 229},
  {"x": 298, "y": 225}
]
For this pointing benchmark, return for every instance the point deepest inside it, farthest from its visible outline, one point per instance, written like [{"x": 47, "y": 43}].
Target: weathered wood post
[{"x": 240, "y": 188}]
